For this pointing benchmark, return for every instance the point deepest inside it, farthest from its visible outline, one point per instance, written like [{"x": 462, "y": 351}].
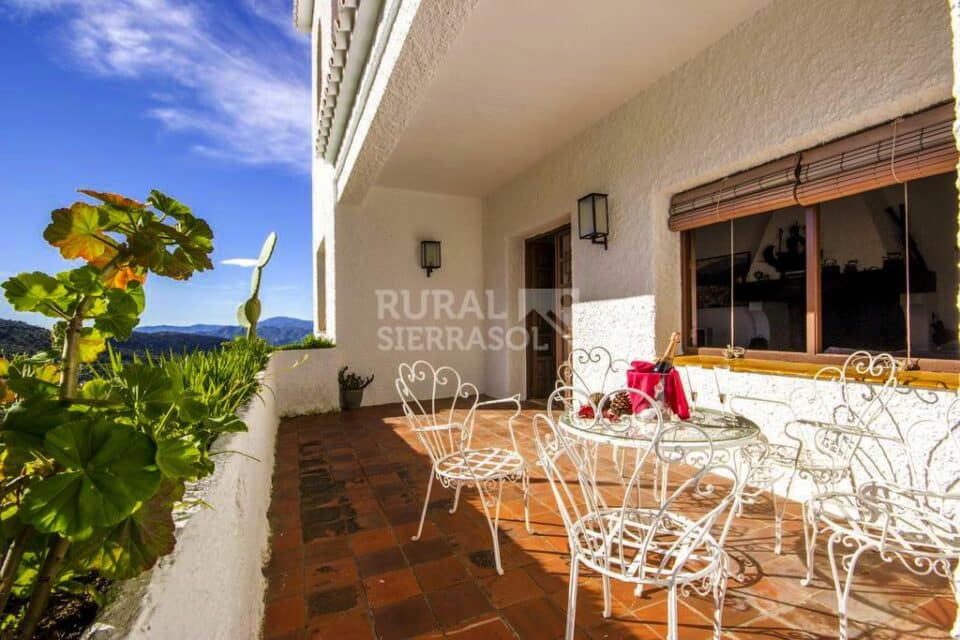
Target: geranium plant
[{"x": 91, "y": 473}]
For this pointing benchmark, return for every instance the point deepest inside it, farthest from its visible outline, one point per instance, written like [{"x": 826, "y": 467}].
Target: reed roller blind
[{"x": 908, "y": 148}]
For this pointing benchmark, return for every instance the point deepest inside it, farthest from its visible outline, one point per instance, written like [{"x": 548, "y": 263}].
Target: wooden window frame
[{"x": 814, "y": 311}]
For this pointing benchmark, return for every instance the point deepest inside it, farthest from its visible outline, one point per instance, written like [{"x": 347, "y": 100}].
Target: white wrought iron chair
[
  {"x": 589, "y": 376},
  {"x": 445, "y": 428},
  {"x": 823, "y": 424},
  {"x": 593, "y": 370},
  {"x": 642, "y": 539},
  {"x": 908, "y": 508}
]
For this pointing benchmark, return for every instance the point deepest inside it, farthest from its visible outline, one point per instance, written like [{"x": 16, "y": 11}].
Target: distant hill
[
  {"x": 140, "y": 343},
  {"x": 20, "y": 337},
  {"x": 276, "y": 331}
]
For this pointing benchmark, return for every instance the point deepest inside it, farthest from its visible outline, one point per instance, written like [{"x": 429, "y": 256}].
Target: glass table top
[{"x": 724, "y": 429}]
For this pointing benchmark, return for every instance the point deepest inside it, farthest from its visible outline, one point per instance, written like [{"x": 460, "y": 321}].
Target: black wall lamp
[
  {"x": 430, "y": 255},
  {"x": 593, "y": 216}
]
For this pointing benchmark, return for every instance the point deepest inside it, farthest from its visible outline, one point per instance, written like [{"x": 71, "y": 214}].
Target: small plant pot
[{"x": 351, "y": 399}]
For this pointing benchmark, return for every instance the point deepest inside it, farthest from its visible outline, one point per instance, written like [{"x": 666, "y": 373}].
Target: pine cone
[
  {"x": 595, "y": 398},
  {"x": 621, "y": 404}
]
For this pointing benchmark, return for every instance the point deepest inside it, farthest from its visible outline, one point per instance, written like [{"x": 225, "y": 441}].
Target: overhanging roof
[{"x": 521, "y": 78}]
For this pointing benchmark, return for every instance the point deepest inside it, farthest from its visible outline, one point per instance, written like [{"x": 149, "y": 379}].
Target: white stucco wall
[
  {"x": 907, "y": 408},
  {"x": 798, "y": 73},
  {"x": 304, "y": 381},
  {"x": 378, "y": 248}
]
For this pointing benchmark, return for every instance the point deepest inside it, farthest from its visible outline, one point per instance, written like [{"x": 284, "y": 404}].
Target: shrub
[{"x": 309, "y": 342}]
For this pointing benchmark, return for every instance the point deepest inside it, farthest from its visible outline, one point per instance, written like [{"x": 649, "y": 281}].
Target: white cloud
[
  {"x": 240, "y": 262},
  {"x": 240, "y": 81}
]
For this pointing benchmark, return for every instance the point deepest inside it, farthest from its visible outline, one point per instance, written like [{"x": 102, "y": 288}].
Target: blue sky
[{"x": 206, "y": 101}]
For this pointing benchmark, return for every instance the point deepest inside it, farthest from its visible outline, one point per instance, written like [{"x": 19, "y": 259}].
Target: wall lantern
[
  {"x": 594, "y": 219},
  {"x": 430, "y": 255}
]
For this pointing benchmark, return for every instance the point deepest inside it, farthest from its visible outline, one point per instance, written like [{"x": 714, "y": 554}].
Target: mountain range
[
  {"x": 276, "y": 331},
  {"x": 21, "y": 337}
]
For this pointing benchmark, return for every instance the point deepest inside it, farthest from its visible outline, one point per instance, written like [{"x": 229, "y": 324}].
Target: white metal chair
[
  {"x": 823, "y": 425},
  {"x": 908, "y": 508},
  {"x": 593, "y": 370},
  {"x": 675, "y": 542},
  {"x": 589, "y": 376},
  {"x": 445, "y": 428}
]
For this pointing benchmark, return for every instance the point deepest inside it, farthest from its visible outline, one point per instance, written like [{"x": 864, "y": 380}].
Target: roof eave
[{"x": 303, "y": 15}]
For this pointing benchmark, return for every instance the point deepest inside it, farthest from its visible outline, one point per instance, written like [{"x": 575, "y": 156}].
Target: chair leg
[
  {"x": 572, "y": 597},
  {"x": 779, "y": 511},
  {"x": 607, "y": 604},
  {"x": 664, "y": 478},
  {"x": 672, "y": 633},
  {"x": 810, "y": 532},
  {"x": 456, "y": 500},
  {"x": 719, "y": 594},
  {"x": 426, "y": 504},
  {"x": 955, "y": 587},
  {"x": 526, "y": 500},
  {"x": 494, "y": 521},
  {"x": 842, "y": 589}
]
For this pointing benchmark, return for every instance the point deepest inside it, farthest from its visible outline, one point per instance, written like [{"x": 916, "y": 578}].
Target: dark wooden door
[{"x": 549, "y": 307}]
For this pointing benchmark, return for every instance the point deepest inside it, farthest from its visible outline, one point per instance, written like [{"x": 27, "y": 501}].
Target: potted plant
[{"x": 351, "y": 388}]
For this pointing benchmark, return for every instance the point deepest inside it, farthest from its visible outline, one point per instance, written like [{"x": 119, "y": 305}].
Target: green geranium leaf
[
  {"x": 114, "y": 200},
  {"x": 38, "y": 292},
  {"x": 148, "y": 390},
  {"x": 25, "y": 427},
  {"x": 225, "y": 424},
  {"x": 135, "y": 544},
  {"x": 96, "y": 389},
  {"x": 165, "y": 204},
  {"x": 91, "y": 344},
  {"x": 121, "y": 312},
  {"x": 172, "y": 265},
  {"x": 108, "y": 469},
  {"x": 85, "y": 280},
  {"x": 192, "y": 411},
  {"x": 180, "y": 458},
  {"x": 78, "y": 232}
]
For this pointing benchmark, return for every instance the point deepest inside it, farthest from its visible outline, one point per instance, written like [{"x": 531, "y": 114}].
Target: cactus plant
[
  {"x": 352, "y": 381},
  {"x": 249, "y": 312},
  {"x": 351, "y": 388}
]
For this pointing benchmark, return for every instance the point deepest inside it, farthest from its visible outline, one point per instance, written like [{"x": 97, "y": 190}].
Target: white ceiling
[{"x": 524, "y": 76}]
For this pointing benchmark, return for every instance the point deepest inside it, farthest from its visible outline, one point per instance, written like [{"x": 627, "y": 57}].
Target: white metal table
[{"x": 726, "y": 431}]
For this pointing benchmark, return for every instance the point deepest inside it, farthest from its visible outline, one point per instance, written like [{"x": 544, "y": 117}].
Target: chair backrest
[
  {"x": 596, "y": 411},
  {"x": 933, "y": 448},
  {"x": 439, "y": 406},
  {"x": 919, "y": 509},
  {"x": 593, "y": 370},
  {"x": 639, "y": 536},
  {"x": 867, "y": 383}
]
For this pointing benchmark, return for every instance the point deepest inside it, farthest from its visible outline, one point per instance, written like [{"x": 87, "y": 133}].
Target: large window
[{"x": 851, "y": 246}]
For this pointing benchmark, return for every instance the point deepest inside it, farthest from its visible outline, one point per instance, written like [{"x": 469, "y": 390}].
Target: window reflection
[
  {"x": 865, "y": 250},
  {"x": 769, "y": 275}
]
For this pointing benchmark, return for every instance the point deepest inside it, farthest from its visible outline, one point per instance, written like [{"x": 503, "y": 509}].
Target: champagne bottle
[{"x": 665, "y": 362}]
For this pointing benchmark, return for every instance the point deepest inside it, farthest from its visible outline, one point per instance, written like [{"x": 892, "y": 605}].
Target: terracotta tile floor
[{"x": 347, "y": 492}]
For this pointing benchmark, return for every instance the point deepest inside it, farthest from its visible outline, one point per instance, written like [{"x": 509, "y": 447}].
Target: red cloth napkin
[
  {"x": 642, "y": 378},
  {"x": 586, "y": 411}
]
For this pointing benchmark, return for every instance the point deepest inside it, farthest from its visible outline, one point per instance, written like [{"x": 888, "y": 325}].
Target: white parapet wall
[
  {"x": 905, "y": 408},
  {"x": 304, "y": 381},
  {"x": 212, "y": 585}
]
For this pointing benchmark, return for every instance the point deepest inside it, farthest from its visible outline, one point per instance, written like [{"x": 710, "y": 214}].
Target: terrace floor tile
[{"x": 348, "y": 489}]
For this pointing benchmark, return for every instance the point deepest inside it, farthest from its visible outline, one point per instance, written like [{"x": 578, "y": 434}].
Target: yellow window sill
[{"x": 918, "y": 379}]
